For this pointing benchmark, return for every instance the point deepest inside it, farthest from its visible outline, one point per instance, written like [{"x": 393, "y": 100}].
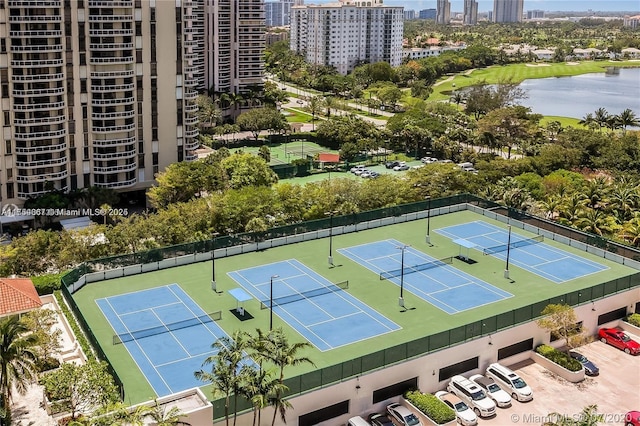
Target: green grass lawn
[
  {"x": 298, "y": 116},
  {"x": 565, "y": 121},
  {"x": 519, "y": 72},
  {"x": 365, "y": 285}
]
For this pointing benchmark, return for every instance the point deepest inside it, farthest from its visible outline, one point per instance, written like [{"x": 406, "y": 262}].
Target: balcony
[
  {"x": 114, "y": 155},
  {"x": 114, "y": 142},
  {"x": 40, "y": 149},
  {"x": 41, "y": 163},
  {"x": 113, "y": 88},
  {"x": 191, "y": 121},
  {"x": 111, "y": 60},
  {"x": 110, "y": 46},
  {"x": 111, "y": 32},
  {"x": 32, "y": 136},
  {"x": 112, "y": 115},
  {"x": 116, "y": 169},
  {"x": 190, "y": 108},
  {"x": 111, "y": 18},
  {"x": 50, "y": 106},
  {"x": 190, "y": 145},
  {"x": 113, "y": 129},
  {"x": 40, "y": 121},
  {"x": 111, "y": 3},
  {"x": 37, "y": 48},
  {"x": 43, "y": 177},
  {"x": 34, "y": 3},
  {"x": 119, "y": 184},
  {"x": 113, "y": 74},
  {"x": 38, "y": 34},
  {"x": 113, "y": 102},
  {"x": 35, "y": 18},
  {"x": 38, "y": 92},
  {"x": 37, "y": 78},
  {"x": 191, "y": 133},
  {"x": 31, "y": 194},
  {"x": 38, "y": 63}
]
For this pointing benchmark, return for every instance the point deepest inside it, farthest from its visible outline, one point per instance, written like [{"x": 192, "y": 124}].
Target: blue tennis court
[
  {"x": 534, "y": 256},
  {"x": 167, "y": 334},
  {"x": 444, "y": 286},
  {"x": 319, "y": 310}
]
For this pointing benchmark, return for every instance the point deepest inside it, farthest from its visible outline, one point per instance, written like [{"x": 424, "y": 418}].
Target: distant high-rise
[
  {"x": 345, "y": 34},
  {"x": 443, "y": 15},
  {"x": 277, "y": 12},
  {"x": 409, "y": 14},
  {"x": 508, "y": 10},
  {"x": 427, "y": 14},
  {"x": 470, "y": 12}
]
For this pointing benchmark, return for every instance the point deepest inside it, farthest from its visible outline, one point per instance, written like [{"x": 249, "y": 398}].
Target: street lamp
[
  {"x": 428, "y": 238},
  {"x": 401, "y": 298},
  {"x": 331, "y": 214},
  {"x": 213, "y": 262},
  {"x": 271, "y": 301}
]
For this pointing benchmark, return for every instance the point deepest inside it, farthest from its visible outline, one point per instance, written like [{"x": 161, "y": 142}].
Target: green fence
[{"x": 377, "y": 360}]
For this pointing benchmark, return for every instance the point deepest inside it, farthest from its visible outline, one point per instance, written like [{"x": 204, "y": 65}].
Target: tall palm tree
[
  {"x": 601, "y": 117},
  {"x": 284, "y": 354},
  {"x": 587, "y": 120},
  {"x": 222, "y": 380},
  {"x": 628, "y": 118},
  {"x": 315, "y": 104},
  {"x": 163, "y": 416},
  {"x": 18, "y": 356}
]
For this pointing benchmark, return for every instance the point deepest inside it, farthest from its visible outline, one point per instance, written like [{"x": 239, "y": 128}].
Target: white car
[
  {"x": 356, "y": 168},
  {"x": 473, "y": 395},
  {"x": 493, "y": 391},
  {"x": 365, "y": 174},
  {"x": 464, "y": 414},
  {"x": 360, "y": 172},
  {"x": 402, "y": 415},
  {"x": 401, "y": 166},
  {"x": 429, "y": 160}
]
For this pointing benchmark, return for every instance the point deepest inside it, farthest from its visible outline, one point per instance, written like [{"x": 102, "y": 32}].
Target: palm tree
[
  {"x": 601, "y": 117},
  {"x": 457, "y": 97},
  {"x": 222, "y": 379},
  {"x": 17, "y": 360},
  {"x": 588, "y": 121},
  {"x": 628, "y": 118},
  {"x": 283, "y": 354},
  {"x": 163, "y": 416},
  {"x": 314, "y": 103}
]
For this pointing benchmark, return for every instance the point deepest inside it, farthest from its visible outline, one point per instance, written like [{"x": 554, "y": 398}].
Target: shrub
[
  {"x": 47, "y": 283},
  {"x": 561, "y": 358},
  {"x": 431, "y": 406},
  {"x": 633, "y": 319},
  {"x": 73, "y": 323}
]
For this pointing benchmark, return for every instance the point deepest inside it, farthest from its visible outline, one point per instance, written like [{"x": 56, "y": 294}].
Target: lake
[{"x": 582, "y": 94}]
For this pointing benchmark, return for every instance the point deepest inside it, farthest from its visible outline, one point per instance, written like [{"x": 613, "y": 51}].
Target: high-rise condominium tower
[
  {"x": 508, "y": 10},
  {"x": 470, "y": 12},
  {"x": 96, "y": 92},
  {"x": 345, "y": 34},
  {"x": 443, "y": 14}
]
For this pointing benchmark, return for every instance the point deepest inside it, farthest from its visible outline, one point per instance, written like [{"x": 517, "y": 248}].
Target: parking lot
[{"x": 615, "y": 391}]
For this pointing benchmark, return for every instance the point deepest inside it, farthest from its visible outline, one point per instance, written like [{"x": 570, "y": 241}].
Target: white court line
[
  {"x": 146, "y": 309},
  {"x": 170, "y": 332}
]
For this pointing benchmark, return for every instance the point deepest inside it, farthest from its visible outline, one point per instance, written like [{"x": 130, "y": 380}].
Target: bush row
[
  {"x": 82, "y": 339},
  {"x": 431, "y": 406},
  {"x": 561, "y": 358},
  {"x": 634, "y": 319},
  {"x": 47, "y": 283}
]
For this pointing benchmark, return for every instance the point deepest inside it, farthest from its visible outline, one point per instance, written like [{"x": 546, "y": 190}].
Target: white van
[
  {"x": 510, "y": 382},
  {"x": 473, "y": 395},
  {"x": 358, "y": 421}
]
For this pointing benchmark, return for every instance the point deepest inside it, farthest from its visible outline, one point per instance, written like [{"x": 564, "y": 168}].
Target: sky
[{"x": 548, "y": 5}]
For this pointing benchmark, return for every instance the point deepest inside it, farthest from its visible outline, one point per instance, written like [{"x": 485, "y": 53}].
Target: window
[
  {"x": 10, "y": 193},
  {"x": 458, "y": 368},
  {"x": 7, "y": 147},
  {"x": 396, "y": 389},
  {"x": 7, "y": 118},
  {"x": 516, "y": 348},
  {"x": 324, "y": 414},
  {"x": 612, "y": 315}
]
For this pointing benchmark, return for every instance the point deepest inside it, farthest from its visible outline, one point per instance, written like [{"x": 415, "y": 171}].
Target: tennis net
[
  {"x": 416, "y": 268},
  {"x": 165, "y": 328},
  {"x": 295, "y": 297},
  {"x": 515, "y": 244}
]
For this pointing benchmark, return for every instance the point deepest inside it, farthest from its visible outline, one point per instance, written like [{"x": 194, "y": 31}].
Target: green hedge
[
  {"x": 633, "y": 319},
  {"x": 431, "y": 406},
  {"x": 561, "y": 358},
  {"x": 47, "y": 283},
  {"x": 80, "y": 337}
]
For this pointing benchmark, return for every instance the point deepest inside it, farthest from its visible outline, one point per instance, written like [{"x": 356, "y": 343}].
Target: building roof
[
  {"x": 329, "y": 158},
  {"x": 17, "y": 295}
]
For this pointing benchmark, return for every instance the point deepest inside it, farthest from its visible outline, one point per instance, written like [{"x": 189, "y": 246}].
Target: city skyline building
[
  {"x": 97, "y": 93},
  {"x": 428, "y": 14},
  {"x": 409, "y": 14},
  {"x": 535, "y": 14},
  {"x": 277, "y": 13},
  {"x": 347, "y": 33},
  {"x": 508, "y": 10},
  {"x": 470, "y": 12},
  {"x": 443, "y": 12}
]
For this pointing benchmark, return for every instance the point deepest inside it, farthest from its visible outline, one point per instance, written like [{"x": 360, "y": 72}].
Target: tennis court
[
  {"x": 167, "y": 334},
  {"x": 531, "y": 254},
  {"x": 433, "y": 280},
  {"x": 321, "y": 311}
]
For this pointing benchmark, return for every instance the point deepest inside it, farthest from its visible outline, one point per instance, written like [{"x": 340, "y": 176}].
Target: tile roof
[{"x": 17, "y": 295}]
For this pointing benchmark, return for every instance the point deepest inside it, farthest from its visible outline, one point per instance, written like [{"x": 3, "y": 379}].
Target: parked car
[
  {"x": 359, "y": 172},
  {"x": 590, "y": 368},
  {"x": 377, "y": 419},
  {"x": 401, "y": 166},
  {"x": 632, "y": 418},
  {"x": 495, "y": 392},
  {"x": 510, "y": 382},
  {"x": 356, "y": 168},
  {"x": 374, "y": 175},
  {"x": 365, "y": 174},
  {"x": 402, "y": 415},
  {"x": 417, "y": 166},
  {"x": 429, "y": 160},
  {"x": 473, "y": 395},
  {"x": 391, "y": 164},
  {"x": 619, "y": 339},
  {"x": 464, "y": 414}
]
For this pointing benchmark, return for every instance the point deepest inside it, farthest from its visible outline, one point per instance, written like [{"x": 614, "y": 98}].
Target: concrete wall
[{"x": 426, "y": 368}]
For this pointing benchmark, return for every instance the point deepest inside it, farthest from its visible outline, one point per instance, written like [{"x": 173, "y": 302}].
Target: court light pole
[
  {"x": 401, "y": 298},
  {"x": 331, "y": 214},
  {"x": 428, "y": 237},
  {"x": 271, "y": 301},
  {"x": 506, "y": 269},
  {"x": 213, "y": 262}
]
